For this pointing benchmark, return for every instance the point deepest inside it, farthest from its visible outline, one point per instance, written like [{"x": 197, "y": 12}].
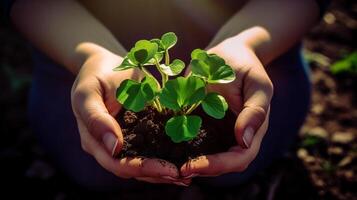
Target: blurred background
[{"x": 322, "y": 164}]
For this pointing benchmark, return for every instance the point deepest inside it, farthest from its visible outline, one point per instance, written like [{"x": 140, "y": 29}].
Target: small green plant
[
  {"x": 181, "y": 95},
  {"x": 346, "y": 65}
]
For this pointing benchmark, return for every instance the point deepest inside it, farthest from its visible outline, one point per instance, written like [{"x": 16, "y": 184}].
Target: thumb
[
  {"x": 258, "y": 91},
  {"x": 104, "y": 128},
  {"x": 96, "y": 121},
  {"x": 249, "y": 120}
]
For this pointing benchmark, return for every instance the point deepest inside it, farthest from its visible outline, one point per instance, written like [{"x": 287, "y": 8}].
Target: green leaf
[
  {"x": 133, "y": 95},
  {"x": 149, "y": 88},
  {"x": 159, "y": 44},
  {"x": 143, "y": 51},
  {"x": 211, "y": 67},
  {"x": 183, "y": 128},
  {"x": 126, "y": 64},
  {"x": 345, "y": 65},
  {"x": 168, "y": 40},
  {"x": 215, "y": 105},
  {"x": 129, "y": 95},
  {"x": 181, "y": 92},
  {"x": 200, "y": 69},
  {"x": 158, "y": 56},
  {"x": 174, "y": 68},
  {"x": 198, "y": 54},
  {"x": 310, "y": 141},
  {"x": 223, "y": 74}
]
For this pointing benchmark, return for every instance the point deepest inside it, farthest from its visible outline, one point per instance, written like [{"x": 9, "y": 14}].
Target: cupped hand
[
  {"x": 249, "y": 98},
  {"x": 95, "y": 106}
]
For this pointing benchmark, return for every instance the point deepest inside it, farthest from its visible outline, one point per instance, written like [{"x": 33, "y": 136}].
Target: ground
[{"x": 322, "y": 164}]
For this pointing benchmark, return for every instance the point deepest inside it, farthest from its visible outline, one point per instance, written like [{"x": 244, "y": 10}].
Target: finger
[
  {"x": 151, "y": 168},
  {"x": 257, "y": 90},
  {"x": 130, "y": 167},
  {"x": 145, "y": 167},
  {"x": 164, "y": 181},
  {"x": 91, "y": 111},
  {"x": 213, "y": 165},
  {"x": 152, "y": 180},
  {"x": 236, "y": 160}
]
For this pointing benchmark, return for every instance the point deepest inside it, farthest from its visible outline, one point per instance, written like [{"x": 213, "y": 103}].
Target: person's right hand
[{"x": 95, "y": 106}]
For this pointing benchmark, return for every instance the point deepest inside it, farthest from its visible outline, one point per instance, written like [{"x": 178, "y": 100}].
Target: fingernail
[
  {"x": 110, "y": 142},
  {"x": 248, "y": 135},
  {"x": 169, "y": 178},
  {"x": 190, "y": 176},
  {"x": 180, "y": 184}
]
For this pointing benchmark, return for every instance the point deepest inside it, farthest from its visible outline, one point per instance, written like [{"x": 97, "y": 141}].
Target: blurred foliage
[
  {"x": 315, "y": 57},
  {"x": 16, "y": 80},
  {"x": 328, "y": 167},
  {"x": 310, "y": 141},
  {"x": 345, "y": 65}
]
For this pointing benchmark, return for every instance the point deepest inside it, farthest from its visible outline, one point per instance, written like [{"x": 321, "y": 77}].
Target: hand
[
  {"x": 249, "y": 97},
  {"x": 95, "y": 106}
]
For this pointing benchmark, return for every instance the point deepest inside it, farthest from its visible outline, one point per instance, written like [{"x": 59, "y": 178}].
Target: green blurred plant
[
  {"x": 310, "y": 141},
  {"x": 318, "y": 58},
  {"x": 346, "y": 65},
  {"x": 180, "y": 95},
  {"x": 17, "y": 81}
]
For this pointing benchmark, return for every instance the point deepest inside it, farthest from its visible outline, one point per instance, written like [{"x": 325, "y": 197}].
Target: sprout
[{"x": 181, "y": 95}]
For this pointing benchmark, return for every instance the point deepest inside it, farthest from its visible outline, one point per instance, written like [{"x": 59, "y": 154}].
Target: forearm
[
  {"x": 269, "y": 27},
  {"x": 64, "y": 30}
]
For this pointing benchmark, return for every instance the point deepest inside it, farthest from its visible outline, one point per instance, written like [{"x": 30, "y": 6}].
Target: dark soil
[{"x": 144, "y": 135}]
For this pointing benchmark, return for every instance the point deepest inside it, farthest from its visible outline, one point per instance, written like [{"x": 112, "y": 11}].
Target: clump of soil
[{"x": 144, "y": 135}]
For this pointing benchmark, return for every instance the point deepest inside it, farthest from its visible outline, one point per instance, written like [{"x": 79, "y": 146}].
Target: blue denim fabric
[{"x": 54, "y": 124}]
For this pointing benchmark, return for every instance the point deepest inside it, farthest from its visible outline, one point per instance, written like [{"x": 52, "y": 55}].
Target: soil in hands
[{"x": 144, "y": 135}]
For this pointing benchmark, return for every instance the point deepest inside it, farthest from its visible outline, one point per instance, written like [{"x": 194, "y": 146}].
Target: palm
[
  {"x": 249, "y": 98},
  {"x": 95, "y": 108}
]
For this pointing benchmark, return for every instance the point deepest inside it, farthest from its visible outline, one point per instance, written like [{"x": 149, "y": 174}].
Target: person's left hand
[{"x": 249, "y": 98}]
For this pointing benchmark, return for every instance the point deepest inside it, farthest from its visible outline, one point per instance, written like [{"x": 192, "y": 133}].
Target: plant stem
[
  {"x": 167, "y": 57},
  {"x": 189, "y": 74},
  {"x": 164, "y": 77},
  {"x": 158, "y": 104},
  {"x": 153, "y": 104},
  {"x": 147, "y": 73},
  {"x": 193, "y": 107}
]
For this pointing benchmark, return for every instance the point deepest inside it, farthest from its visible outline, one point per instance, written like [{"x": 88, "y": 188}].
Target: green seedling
[
  {"x": 347, "y": 65},
  {"x": 181, "y": 95}
]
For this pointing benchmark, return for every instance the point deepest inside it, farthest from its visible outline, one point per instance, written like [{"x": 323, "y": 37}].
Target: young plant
[
  {"x": 347, "y": 65},
  {"x": 181, "y": 95}
]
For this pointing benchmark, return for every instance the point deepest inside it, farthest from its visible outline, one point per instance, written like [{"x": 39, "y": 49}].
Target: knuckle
[
  {"x": 266, "y": 85},
  {"x": 77, "y": 96},
  {"x": 270, "y": 87},
  {"x": 85, "y": 147},
  {"x": 77, "y": 93},
  {"x": 260, "y": 113},
  {"x": 92, "y": 121}
]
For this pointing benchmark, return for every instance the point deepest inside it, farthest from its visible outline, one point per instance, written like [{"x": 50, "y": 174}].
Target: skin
[{"x": 254, "y": 36}]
